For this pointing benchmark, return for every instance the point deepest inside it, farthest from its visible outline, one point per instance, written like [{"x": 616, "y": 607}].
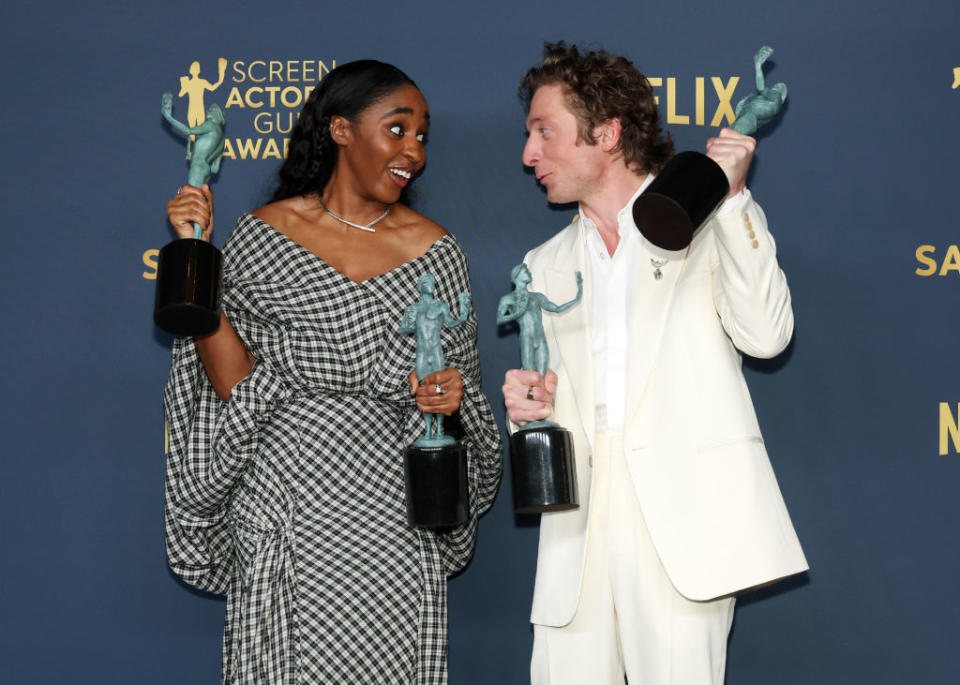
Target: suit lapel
[{"x": 649, "y": 317}]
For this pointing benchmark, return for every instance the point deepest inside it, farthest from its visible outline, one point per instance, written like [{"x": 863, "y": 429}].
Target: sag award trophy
[
  {"x": 691, "y": 186},
  {"x": 188, "y": 270},
  {"x": 541, "y": 452},
  {"x": 435, "y": 465}
]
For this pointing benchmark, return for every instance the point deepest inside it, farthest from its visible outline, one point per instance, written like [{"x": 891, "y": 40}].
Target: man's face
[{"x": 568, "y": 167}]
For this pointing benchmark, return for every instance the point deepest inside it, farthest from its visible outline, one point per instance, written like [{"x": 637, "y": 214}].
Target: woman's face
[{"x": 384, "y": 149}]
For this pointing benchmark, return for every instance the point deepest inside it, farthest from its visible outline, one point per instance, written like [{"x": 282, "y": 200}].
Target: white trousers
[{"x": 630, "y": 619}]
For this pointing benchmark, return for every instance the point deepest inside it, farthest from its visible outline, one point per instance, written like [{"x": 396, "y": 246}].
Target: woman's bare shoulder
[
  {"x": 282, "y": 214},
  {"x": 418, "y": 228}
]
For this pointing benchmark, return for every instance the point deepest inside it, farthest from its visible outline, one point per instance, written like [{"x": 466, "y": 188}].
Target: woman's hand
[
  {"x": 191, "y": 205},
  {"x": 429, "y": 400}
]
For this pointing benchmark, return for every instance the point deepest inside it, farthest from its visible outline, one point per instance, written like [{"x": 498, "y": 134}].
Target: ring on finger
[
  {"x": 438, "y": 388},
  {"x": 530, "y": 393}
]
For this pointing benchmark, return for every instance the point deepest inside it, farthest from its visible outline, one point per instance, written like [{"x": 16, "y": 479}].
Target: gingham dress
[{"x": 289, "y": 499}]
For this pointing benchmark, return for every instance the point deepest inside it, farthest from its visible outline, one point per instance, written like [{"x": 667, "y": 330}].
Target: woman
[{"x": 288, "y": 424}]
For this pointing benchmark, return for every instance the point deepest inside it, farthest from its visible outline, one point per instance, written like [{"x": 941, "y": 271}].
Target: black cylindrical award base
[
  {"x": 544, "y": 470},
  {"x": 679, "y": 200},
  {"x": 436, "y": 484},
  {"x": 188, "y": 288}
]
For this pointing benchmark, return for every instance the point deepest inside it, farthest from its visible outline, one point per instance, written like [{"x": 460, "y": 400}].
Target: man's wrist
[{"x": 734, "y": 203}]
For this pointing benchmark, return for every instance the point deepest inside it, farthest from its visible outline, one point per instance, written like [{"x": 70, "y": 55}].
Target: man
[{"x": 679, "y": 506}]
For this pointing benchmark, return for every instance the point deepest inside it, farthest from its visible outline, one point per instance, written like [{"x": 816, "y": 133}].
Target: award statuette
[
  {"x": 691, "y": 186},
  {"x": 188, "y": 270},
  {"x": 435, "y": 465},
  {"x": 541, "y": 452}
]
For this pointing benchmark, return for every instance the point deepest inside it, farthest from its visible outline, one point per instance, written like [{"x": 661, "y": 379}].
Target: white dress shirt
[{"x": 615, "y": 282}]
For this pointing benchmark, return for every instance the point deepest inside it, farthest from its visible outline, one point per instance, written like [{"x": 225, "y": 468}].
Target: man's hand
[
  {"x": 733, "y": 152},
  {"x": 527, "y": 395}
]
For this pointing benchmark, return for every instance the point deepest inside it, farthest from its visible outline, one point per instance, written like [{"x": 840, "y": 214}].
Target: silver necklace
[{"x": 369, "y": 227}]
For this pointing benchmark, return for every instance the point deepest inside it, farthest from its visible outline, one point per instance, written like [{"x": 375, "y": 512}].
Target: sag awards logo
[
  {"x": 934, "y": 262},
  {"x": 261, "y": 99},
  {"x": 949, "y": 421}
]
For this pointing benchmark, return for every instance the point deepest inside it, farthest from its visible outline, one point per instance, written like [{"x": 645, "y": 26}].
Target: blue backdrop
[{"x": 860, "y": 414}]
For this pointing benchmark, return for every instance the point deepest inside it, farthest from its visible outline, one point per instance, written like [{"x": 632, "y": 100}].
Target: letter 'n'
[{"x": 949, "y": 427}]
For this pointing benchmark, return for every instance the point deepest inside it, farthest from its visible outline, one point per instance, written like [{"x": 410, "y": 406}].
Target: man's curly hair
[{"x": 599, "y": 86}]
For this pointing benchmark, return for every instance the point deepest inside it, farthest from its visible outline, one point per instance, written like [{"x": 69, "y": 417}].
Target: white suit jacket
[{"x": 693, "y": 445}]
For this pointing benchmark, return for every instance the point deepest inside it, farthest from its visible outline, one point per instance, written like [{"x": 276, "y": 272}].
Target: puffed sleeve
[{"x": 211, "y": 442}]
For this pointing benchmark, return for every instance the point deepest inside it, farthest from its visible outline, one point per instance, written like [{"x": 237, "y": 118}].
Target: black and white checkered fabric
[{"x": 289, "y": 499}]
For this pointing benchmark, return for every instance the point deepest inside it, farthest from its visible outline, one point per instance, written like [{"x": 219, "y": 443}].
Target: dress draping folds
[{"x": 289, "y": 498}]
